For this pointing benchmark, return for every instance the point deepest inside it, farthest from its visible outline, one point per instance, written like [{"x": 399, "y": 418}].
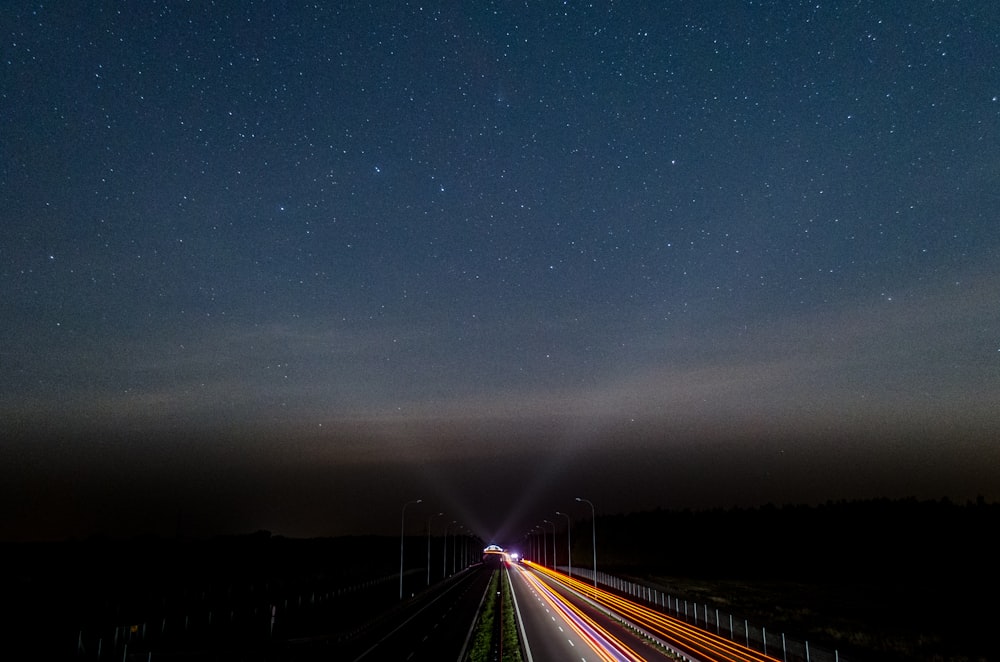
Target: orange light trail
[
  {"x": 604, "y": 644},
  {"x": 694, "y": 640}
]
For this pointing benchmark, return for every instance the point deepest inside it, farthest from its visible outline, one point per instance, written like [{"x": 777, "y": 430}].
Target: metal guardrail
[{"x": 710, "y": 618}]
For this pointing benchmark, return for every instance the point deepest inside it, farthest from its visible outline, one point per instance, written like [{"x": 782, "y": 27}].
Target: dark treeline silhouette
[
  {"x": 878, "y": 539},
  {"x": 885, "y": 579}
]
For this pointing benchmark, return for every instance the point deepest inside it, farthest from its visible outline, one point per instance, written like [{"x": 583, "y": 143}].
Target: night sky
[{"x": 266, "y": 265}]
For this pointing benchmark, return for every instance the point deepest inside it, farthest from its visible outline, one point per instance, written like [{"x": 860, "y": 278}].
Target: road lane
[
  {"x": 431, "y": 626},
  {"x": 437, "y": 630},
  {"x": 694, "y": 642},
  {"x": 557, "y": 631}
]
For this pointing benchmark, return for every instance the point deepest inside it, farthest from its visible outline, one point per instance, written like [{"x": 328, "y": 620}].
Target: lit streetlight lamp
[
  {"x": 569, "y": 547},
  {"x": 402, "y": 528},
  {"x": 593, "y": 519},
  {"x": 429, "y": 546}
]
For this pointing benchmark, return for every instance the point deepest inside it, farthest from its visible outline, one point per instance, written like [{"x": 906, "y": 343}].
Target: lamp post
[
  {"x": 593, "y": 519},
  {"x": 444, "y": 562},
  {"x": 545, "y": 549},
  {"x": 454, "y": 540},
  {"x": 553, "y": 542},
  {"x": 429, "y": 546},
  {"x": 569, "y": 546},
  {"x": 402, "y": 528}
]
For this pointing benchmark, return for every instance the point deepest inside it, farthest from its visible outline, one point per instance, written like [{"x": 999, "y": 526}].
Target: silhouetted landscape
[
  {"x": 875, "y": 580},
  {"x": 880, "y": 579}
]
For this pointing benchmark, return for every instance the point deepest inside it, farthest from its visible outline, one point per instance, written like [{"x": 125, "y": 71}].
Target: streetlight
[
  {"x": 402, "y": 523},
  {"x": 429, "y": 546},
  {"x": 553, "y": 542},
  {"x": 545, "y": 549},
  {"x": 593, "y": 519},
  {"x": 454, "y": 540},
  {"x": 444, "y": 562},
  {"x": 569, "y": 547}
]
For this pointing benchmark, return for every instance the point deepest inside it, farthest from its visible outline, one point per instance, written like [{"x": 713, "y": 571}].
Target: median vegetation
[
  {"x": 495, "y": 636},
  {"x": 511, "y": 640}
]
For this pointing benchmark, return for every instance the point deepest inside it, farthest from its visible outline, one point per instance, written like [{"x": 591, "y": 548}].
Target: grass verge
[{"x": 483, "y": 644}]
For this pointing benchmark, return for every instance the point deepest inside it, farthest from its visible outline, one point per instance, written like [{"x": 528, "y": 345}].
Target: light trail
[
  {"x": 605, "y": 645},
  {"x": 693, "y": 640}
]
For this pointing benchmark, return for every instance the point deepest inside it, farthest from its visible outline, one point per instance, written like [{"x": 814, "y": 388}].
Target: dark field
[
  {"x": 875, "y": 580},
  {"x": 879, "y": 580}
]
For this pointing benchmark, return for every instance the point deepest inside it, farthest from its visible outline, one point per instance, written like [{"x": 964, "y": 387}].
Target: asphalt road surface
[
  {"x": 434, "y": 627},
  {"x": 560, "y": 626}
]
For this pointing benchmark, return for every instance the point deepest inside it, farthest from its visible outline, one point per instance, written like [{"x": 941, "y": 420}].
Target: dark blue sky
[{"x": 258, "y": 259}]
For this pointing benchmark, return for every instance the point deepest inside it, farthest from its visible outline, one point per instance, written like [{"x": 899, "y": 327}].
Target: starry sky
[{"x": 286, "y": 266}]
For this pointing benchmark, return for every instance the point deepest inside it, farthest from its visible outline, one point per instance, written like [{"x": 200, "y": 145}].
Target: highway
[
  {"x": 561, "y": 619},
  {"x": 437, "y": 627},
  {"x": 558, "y": 626},
  {"x": 695, "y": 643},
  {"x": 431, "y": 626}
]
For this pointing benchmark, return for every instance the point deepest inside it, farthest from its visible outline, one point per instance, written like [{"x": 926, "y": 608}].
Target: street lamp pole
[
  {"x": 402, "y": 528},
  {"x": 444, "y": 563},
  {"x": 593, "y": 519},
  {"x": 454, "y": 540},
  {"x": 429, "y": 546},
  {"x": 569, "y": 546},
  {"x": 553, "y": 542},
  {"x": 545, "y": 548}
]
